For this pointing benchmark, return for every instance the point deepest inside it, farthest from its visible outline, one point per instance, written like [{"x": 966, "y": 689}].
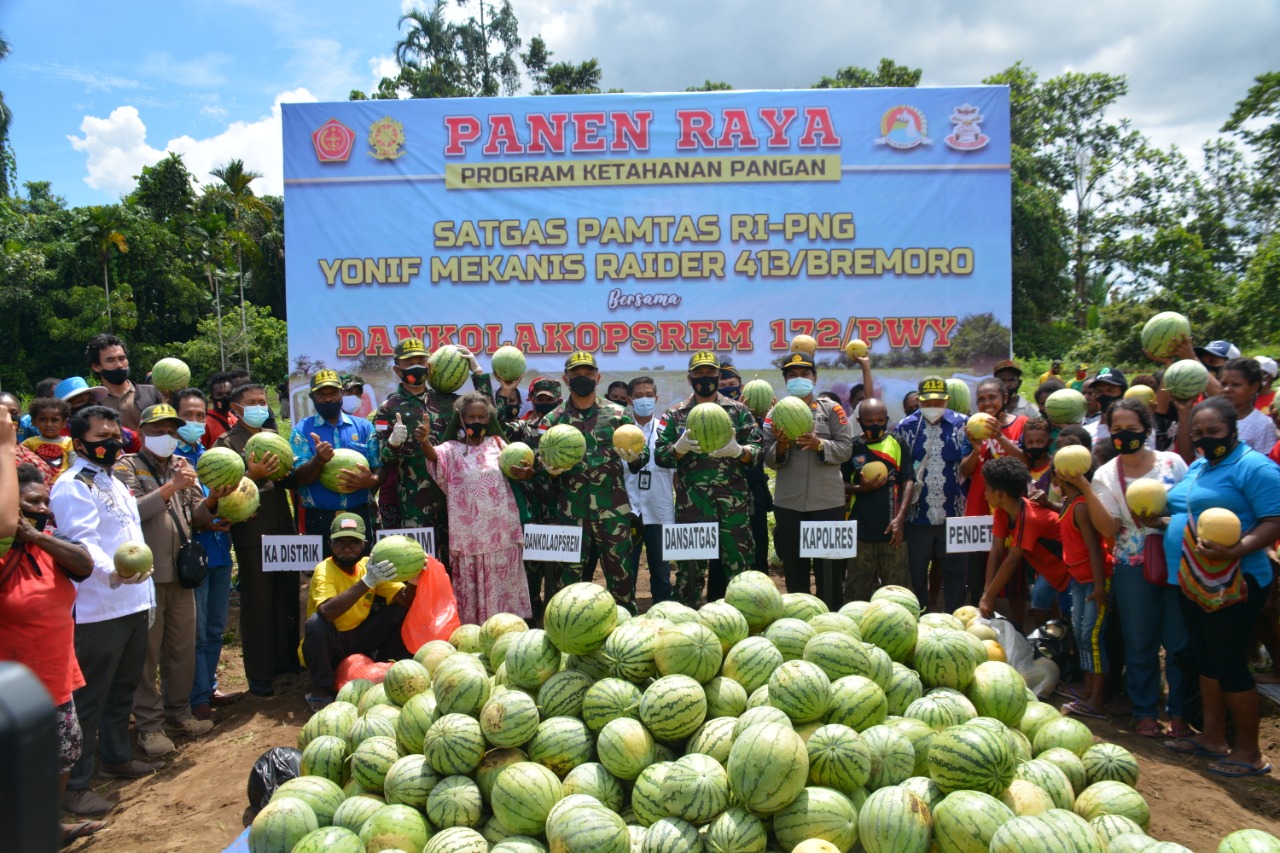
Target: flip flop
[
  {"x": 1066, "y": 692},
  {"x": 1150, "y": 727},
  {"x": 73, "y": 832},
  {"x": 1218, "y": 767},
  {"x": 1080, "y": 708},
  {"x": 317, "y": 703},
  {"x": 1190, "y": 747},
  {"x": 1178, "y": 729}
]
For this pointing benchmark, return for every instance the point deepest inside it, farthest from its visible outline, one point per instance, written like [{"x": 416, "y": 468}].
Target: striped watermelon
[
  {"x": 596, "y": 781},
  {"x": 790, "y": 416},
  {"x": 959, "y": 398},
  {"x": 690, "y": 649},
  {"x": 241, "y": 504},
  {"x": 220, "y": 467},
  {"x": 838, "y": 654},
  {"x": 330, "y": 839},
  {"x": 409, "y": 781},
  {"x": 415, "y": 718},
  {"x": 322, "y": 795},
  {"x": 395, "y": 828},
  {"x": 696, "y": 788},
  {"x": 447, "y": 369},
  {"x": 752, "y": 661},
  {"x": 1108, "y": 826},
  {"x": 630, "y": 649},
  {"x": 924, "y": 788},
  {"x": 461, "y": 686},
  {"x": 894, "y": 820},
  {"x": 754, "y": 595},
  {"x": 518, "y": 844},
  {"x": 801, "y": 690},
  {"x": 711, "y": 426},
  {"x": 1065, "y": 732},
  {"x": 768, "y": 766},
  {"x": 562, "y": 446},
  {"x": 509, "y": 718},
  {"x": 344, "y": 459},
  {"x": 854, "y": 610},
  {"x": 407, "y": 555},
  {"x": 465, "y": 638},
  {"x": 898, "y": 595},
  {"x": 353, "y": 690},
  {"x": 944, "y": 659},
  {"x": 957, "y": 701},
  {"x": 725, "y": 697},
  {"x": 170, "y": 374},
  {"x": 758, "y": 716},
  {"x": 593, "y": 665},
  {"x": 673, "y": 707},
  {"x": 713, "y": 738},
  {"x": 523, "y": 795},
  {"x": 496, "y": 626},
  {"x": 1049, "y": 778},
  {"x": 508, "y": 363},
  {"x": 759, "y": 697},
  {"x": 1036, "y": 715},
  {"x": 1162, "y": 334},
  {"x": 455, "y": 801},
  {"x": 325, "y": 756},
  {"x": 999, "y": 691},
  {"x": 966, "y": 821},
  {"x": 646, "y": 794},
  {"x": 387, "y": 711},
  {"x": 588, "y": 829},
  {"x": 406, "y": 679},
  {"x": 1185, "y": 379},
  {"x": 609, "y": 699},
  {"x": 1249, "y": 841},
  {"x": 266, "y": 442},
  {"x": 579, "y": 617},
  {"x": 1109, "y": 762},
  {"x": 561, "y": 744},
  {"x": 1069, "y": 763},
  {"x": 970, "y": 758},
  {"x": 672, "y": 611},
  {"x": 946, "y": 620},
  {"x": 372, "y": 759},
  {"x": 790, "y": 635},
  {"x": 280, "y": 825},
  {"x": 671, "y": 835},
  {"x": 736, "y": 831},
  {"x": 515, "y": 453},
  {"x": 757, "y": 395},
  {"x": 493, "y": 763},
  {"x": 1113, "y": 798},
  {"x": 821, "y": 813},
  {"x": 889, "y": 626},
  {"x": 458, "y": 839},
  {"x": 838, "y": 758},
  {"x": 802, "y": 605},
  {"x": 625, "y": 748},
  {"x": 904, "y": 688},
  {"x": 921, "y": 738},
  {"x": 1075, "y": 828},
  {"x": 838, "y": 622},
  {"x": 726, "y": 622},
  {"x": 1065, "y": 406},
  {"x": 893, "y": 758},
  {"x": 454, "y": 744},
  {"x": 1025, "y": 833},
  {"x": 531, "y": 659},
  {"x": 561, "y": 695},
  {"x": 355, "y": 810},
  {"x": 857, "y": 702}
]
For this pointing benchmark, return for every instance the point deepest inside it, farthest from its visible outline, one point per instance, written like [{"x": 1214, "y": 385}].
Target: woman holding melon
[
  {"x": 1221, "y": 518},
  {"x": 1150, "y": 613}
]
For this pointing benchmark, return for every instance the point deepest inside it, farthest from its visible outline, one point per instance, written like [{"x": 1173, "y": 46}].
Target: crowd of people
[{"x": 88, "y": 468}]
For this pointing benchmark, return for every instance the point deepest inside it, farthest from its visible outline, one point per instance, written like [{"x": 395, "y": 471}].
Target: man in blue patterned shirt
[
  {"x": 943, "y": 459},
  {"x": 314, "y": 441}
]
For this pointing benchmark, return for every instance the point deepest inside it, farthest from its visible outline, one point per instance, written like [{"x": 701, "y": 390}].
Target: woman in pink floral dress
[{"x": 486, "y": 542}]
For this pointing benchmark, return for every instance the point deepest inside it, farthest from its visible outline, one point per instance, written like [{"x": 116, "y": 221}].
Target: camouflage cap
[
  {"x": 542, "y": 385},
  {"x": 352, "y": 380}
]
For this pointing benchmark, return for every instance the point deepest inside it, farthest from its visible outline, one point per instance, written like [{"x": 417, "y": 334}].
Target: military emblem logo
[
  {"x": 903, "y": 127},
  {"x": 967, "y": 134},
  {"x": 333, "y": 141},
  {"x": 386, "y": 138}
]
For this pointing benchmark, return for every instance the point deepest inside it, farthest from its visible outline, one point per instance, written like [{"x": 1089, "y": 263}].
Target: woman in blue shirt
[{"x": 1232, "y": 476}]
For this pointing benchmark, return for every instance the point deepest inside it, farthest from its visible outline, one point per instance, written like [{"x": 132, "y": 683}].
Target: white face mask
[
  {"x": 160, "y": 445},
  {"x": 350, "y": 404},
  {"x": 931, "y": 414}
]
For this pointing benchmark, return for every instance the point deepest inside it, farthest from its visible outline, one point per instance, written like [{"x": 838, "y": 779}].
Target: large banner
[{"x": 643, "y": 227}]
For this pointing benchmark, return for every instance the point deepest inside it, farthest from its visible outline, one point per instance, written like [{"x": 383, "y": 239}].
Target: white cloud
[
  {"x": 116, "y": 148},
  {"x": 92, "y": 79}
]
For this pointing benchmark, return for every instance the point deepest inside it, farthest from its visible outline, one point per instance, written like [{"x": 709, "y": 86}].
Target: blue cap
[
  {"x": 68, "y": 388},
  {"x": 1222, "y": 349}
]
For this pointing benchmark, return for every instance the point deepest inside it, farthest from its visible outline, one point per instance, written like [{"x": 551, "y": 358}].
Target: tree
[
  {"x": 210, "y": 235},
  {"x": 559, "y": 78},
  {"x": 263, "y": 340},
  {"x": 235, "y": 191},
  {"x": 1260, "y": 104},
  {"x": 101, "y": 230},
  {"x": 887, "y": 74},
  {"x": 711, "y": 86},
  {"x": 440, "y": 59},
  {"x": 6, "y": 118},
  {"x": 980, "y": 340},
  {"x": 165, "y": 189},
  {"x": 489, "y": 49}
]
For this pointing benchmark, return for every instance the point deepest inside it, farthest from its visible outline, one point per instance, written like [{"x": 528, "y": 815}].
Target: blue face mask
[
  {"x": 256, "y": 416},
  {"x": 644, "y": 406},
  {"x": 191, "y": 432},
  {"x": 798, "y": 386}
]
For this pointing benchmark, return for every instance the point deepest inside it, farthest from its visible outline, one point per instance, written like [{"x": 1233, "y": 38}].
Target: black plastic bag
[
  {"x": 272, "y": 769},
  {"x": 1054, "y": 640}
]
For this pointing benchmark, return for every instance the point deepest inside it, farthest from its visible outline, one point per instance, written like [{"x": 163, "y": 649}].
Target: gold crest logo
[{"x": 386, "y": 138}]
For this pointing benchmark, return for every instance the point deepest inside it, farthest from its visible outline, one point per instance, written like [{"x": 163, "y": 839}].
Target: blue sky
[{"x": 98, "y": 90}]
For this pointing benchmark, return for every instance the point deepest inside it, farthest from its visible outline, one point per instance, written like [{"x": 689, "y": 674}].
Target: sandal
[
  {"x": 1080, "y": 708},
  {"x": 73, "y": 832},
  {"x": 1178, "y": 729},
  {"x": 1187, "y": 746},
  {"x": 1224, "y": 768},
  {"x": 1149, "y": 727},
  {"x": 1066, "y": 691},
  {"x": 318, "y": 703}
]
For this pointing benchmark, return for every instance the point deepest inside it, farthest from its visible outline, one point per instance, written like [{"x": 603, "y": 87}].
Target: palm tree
[
  {"x": 428, "y": 54},
  {"x": 101, "y": 231},
  {"x": 211, "y": 234},
  {"x": 235, "y": 191},
  {"x": 6, "y": 116}
]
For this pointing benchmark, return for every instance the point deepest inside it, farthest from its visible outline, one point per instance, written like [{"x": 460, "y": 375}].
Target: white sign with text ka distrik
[
  {"x": 292, "y": 553},
  {"x": 968, "y": 534},
  {"x": 691, "y": 541},
  {"x": 829, "y": 540},
  {"x": 426, "y": 536},
  {"x": 553, "y": 543}
]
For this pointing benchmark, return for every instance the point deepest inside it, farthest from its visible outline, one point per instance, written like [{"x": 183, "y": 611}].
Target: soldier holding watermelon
[{"x": 710, "y": 486}]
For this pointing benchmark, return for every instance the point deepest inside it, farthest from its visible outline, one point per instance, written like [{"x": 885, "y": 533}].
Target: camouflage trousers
[
  {"x": 612, "y": 539},
  {"x": 737, "y": 549}
]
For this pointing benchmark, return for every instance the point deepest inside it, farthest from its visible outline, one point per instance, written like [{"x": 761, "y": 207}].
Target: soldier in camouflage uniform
[
  {"x": 710, "y": 486},
  {"x": 593, "y": 493},
  {"x": 413, "y": 410}
]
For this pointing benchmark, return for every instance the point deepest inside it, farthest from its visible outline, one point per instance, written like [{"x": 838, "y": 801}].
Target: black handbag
[{"x": 191, "y": 563}]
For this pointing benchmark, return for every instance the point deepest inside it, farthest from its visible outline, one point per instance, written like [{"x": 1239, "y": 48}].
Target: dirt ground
[{"x": 197, "y": 804}]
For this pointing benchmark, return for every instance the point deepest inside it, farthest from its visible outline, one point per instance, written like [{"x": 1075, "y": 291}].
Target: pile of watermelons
[{"x": 758, "y": 723}]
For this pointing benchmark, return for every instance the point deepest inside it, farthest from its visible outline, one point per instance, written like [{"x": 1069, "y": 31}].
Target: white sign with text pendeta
[
  {"x": 292, "y": 553},
  {"x": 969, "y": 534},
  {"x": 553, "y": 543},
  {"x": 691, "y": 541},
  {"x": 828, "y": 540},
  {"x": 426, "y": 536}
]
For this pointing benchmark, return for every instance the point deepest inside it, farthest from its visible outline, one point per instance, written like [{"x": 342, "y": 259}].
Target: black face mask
[
  {"x": 118, "y": 376},
  {"x": 1215, "y": 448},
  {"x": 328, "y": 411},
  {"x": 705, "y": 386},
  {"x": 1106, "y": 401},
  {"x": 733, "y": 392},
  {"x": 38, "y": 520},
  {"x": 415, "y": 375},
  {"x": 103, "y": 452},
  {"x": 474, "y": 430},
  {"x": 582, "y": 386},
  {"x": 873, "y": 432},
  {"x": 1034, "y": 453},
  {"x": 346, "y": 562},
  {"x": 1128, "y": 441},
  {"x": 222, "y": 404},
  {"x": 545, "y": 408}
]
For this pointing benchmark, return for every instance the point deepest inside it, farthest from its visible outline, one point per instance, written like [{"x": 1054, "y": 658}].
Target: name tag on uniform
[
  {"x": 829, "y": 540},
  {"x": 691, "y": 541},
  {"x": 968, "y": 534},
  {"x": 426, "y": 536},
  {"x": 292, "y": 553},
  {"x": 644, "y": 479},
  {"x": 553, "y": 543}
]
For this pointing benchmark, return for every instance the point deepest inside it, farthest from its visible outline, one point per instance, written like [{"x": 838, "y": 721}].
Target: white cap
[{"x": 1268, "y": 365}]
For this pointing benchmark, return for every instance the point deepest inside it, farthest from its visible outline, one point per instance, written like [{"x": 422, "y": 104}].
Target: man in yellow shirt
[{"x": 352, "y": 608}]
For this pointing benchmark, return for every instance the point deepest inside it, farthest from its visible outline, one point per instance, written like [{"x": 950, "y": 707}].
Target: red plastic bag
[
  {"x": 434, "y": 612},
  {"x": 359, "y": 666}
]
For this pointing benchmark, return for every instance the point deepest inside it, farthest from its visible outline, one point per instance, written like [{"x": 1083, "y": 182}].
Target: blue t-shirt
[
  {"x": 1245, "y": 482},
  {"x": 350, "y": 433},
  {"x": 26, "y": 429},
  {"x": 936, "y": 451},
  {"x": 216, "y": 544}
]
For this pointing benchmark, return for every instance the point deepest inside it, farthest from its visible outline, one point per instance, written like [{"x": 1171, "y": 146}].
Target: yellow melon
[
  {"x": 804, "y": 343},
  {"x": 1218, "y": 525},
  {"x": 1145, "y": 393},
  {"x": 982, "y": 632},
  {"x": 1072, "y": 460},
  {"x": 1146, "y": 497},
  {"x": 981, "y": 426},
  {"x": 995, "y": 651},
  {"x": 873, "y": 471},
  {"x": 856, "y": 348},
  {"x": 629, "y": 437},
  {"x": 966, "y": 614}
]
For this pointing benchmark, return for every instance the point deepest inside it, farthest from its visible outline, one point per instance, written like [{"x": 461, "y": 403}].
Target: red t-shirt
[
  {"x": 1264, "y": 401},
  {"x": 215, "y": 424},
  {"x": 1274, "y": 455},
  {"x": 1074, "y": 552},
  {"x": 36, "y": 598},
  {"x": 1036, "y": 531},
  {"x": 975, "y": 503}
]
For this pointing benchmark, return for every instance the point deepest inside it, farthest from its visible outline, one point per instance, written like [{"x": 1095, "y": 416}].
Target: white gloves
[
  {"x": 731, "y": 450},
  {"x": 686, "y": 442},
  {"x": 115, "y": 580},
  {"x": 554, "y": 472},
  {"x": 470, "y": 357},
  {"x": 399, "y": 433},
  {"x": 627, "y": 455},
  {"x": 379, "y": 573}
]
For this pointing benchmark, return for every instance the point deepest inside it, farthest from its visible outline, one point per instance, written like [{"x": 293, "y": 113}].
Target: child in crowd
[
  {"x": 51, "y": 442},
  {"x": 1036, "y": 439},
  {"x": 1089, "y": 566}
]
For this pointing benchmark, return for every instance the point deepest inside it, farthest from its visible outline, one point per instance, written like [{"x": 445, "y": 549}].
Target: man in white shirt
[
  {"x": 112, "y": 612},
  {"x": 651, "y": 493}
]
